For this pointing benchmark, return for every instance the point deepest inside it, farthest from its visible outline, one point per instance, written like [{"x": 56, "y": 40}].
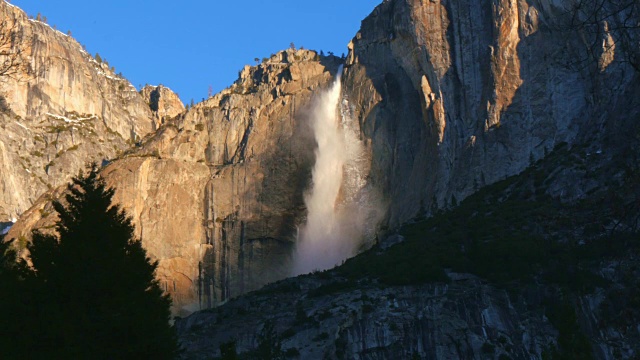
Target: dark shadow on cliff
[
  {"x": 551, "y": 106},
  {"x": 408, "y": 164},
  {"x": 558, "y": 102},
  {"x": 331, "y": 63},
  {"x": 396, "y": 128},
  {"x": 154, "y": 99},
  {"x": 265, "y": 240},
  {"x": 288, "y": 172}
]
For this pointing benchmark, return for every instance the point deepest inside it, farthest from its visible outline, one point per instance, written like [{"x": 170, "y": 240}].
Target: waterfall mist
[{"x": 337, "y": 204}]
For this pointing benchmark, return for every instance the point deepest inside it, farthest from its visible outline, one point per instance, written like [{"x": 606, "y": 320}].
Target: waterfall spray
[{"x": 321, "y": 241}]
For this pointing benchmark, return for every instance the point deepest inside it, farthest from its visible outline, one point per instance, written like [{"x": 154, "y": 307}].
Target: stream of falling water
[{"x": 325, "y": 239}]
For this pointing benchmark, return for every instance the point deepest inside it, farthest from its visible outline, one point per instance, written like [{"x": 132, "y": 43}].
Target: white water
[{"x": 334, "y": 227}]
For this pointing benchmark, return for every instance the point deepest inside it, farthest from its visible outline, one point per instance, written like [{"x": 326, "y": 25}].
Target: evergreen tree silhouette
[
  {"x": 96, "y": 289},
  {"x": 15, "y": 330},
  {"x": 269, "y": 344},
  {"x": 228, "y": 351}
]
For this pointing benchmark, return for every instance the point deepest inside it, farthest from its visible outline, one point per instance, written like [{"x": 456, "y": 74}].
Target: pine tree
[
  {"x": 269, "y": 344},
  {"x": 228, "y": 351},
  {"x": 14, "y": 330},
  {"x": 99, "y": 292}
]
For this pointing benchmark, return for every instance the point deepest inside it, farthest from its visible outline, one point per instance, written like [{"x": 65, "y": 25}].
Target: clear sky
[{"x": 191, "y": 45}]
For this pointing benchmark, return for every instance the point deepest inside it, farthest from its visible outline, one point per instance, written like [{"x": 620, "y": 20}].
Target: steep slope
[
  {"x": 455, "y": 95},
  {"x": 513, "y": 272},
  {"x": 59, "y": 108},
  {"x": 216, "y": 193},
  {"x": 230, "y": 174},
  {"x": 447, "y": 97},
  {"x": 450, "y": 97}
]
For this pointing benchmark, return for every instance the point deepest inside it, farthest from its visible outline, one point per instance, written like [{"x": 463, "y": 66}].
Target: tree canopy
[{"x": 93, "y": 288}]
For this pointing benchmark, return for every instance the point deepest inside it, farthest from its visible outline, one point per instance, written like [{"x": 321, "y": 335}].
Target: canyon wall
[
  {"x": 445, "y": 96},
  {"x": 216, "y": 193},
  {"x": 455, "y": 95},
  {"x": 59, "y": 108},
  {"x": 164, "y": 103}
]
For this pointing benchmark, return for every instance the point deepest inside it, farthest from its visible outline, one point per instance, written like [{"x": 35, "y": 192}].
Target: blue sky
[{"x": 191, "y": 45}]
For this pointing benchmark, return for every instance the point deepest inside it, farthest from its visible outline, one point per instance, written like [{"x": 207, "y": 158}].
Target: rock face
[
  {"x": 464, "y": 320},
  {"x": 446, "y": 96},
  {"x": 230, "y": 174},
  {"x": 378, "y": 309},
  {"x": 59, "y": 109},
  {"x": 216, "y": 193},
  {"x": 164, "y": 103},
  {"x": 454, "y": 95}
]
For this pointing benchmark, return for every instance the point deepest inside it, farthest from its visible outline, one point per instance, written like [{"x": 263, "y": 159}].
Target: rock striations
[
  {"x": 448, "y": 96},
  {"x": 462, "y": 320},
  {"x": 216, "y": 193},
  {"x": 59, "y": 108},
  {"x": 229, "y": 175},
  {"x": 455, "y": 95}
]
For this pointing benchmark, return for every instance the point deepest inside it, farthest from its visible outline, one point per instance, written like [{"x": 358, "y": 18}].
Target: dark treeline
[{"x": 90, "y": 292}]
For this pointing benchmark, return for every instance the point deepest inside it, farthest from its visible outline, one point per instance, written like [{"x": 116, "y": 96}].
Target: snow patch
[
  {"x": 67, "y": 120},
  {"x": 47, "y": 25},
  {"x": 109, "y": 76},
  {"x": 22, "y": 126}
]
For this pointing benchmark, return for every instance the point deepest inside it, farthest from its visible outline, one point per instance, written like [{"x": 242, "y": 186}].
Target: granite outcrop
[{"x": 59, "y": 109}]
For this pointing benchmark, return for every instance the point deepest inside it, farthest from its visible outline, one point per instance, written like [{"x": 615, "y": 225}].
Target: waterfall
[{"x": 330, "y": 234}]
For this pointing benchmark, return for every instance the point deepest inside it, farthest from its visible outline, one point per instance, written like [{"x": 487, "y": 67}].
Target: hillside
[
  {"x": 513, "y": 272},
  {"x": 493, "y": 136}
]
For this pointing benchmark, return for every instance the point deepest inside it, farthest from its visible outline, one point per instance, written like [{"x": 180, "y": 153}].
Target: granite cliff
[
  {"x": 164, "y": 103},
  {"x": 513, "y": 272},
  {"x": 439, "y": 321},
  {"x": 59, "y": 108},
  {"x": 451, "y": 97},
  {"x": 455, "y": 95},
  {"x": 217, "y": 192},
  {"x": 447, "y": 97}
]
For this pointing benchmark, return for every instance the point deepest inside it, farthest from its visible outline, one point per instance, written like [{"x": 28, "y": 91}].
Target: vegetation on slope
[
  {"x": 507, "y": 232},
  {"x": 517, "y": 236}
]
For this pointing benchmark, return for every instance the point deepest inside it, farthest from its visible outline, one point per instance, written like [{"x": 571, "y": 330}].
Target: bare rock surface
[
  {"x": 216, "y": 193},
  {"x": 455, "y": 95},
  {"x": 163, "y": 102},
  {"x": 59, "y": 109},
  {"x": 446, "y": 96},
  {"x": 462, "y": 320}
]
